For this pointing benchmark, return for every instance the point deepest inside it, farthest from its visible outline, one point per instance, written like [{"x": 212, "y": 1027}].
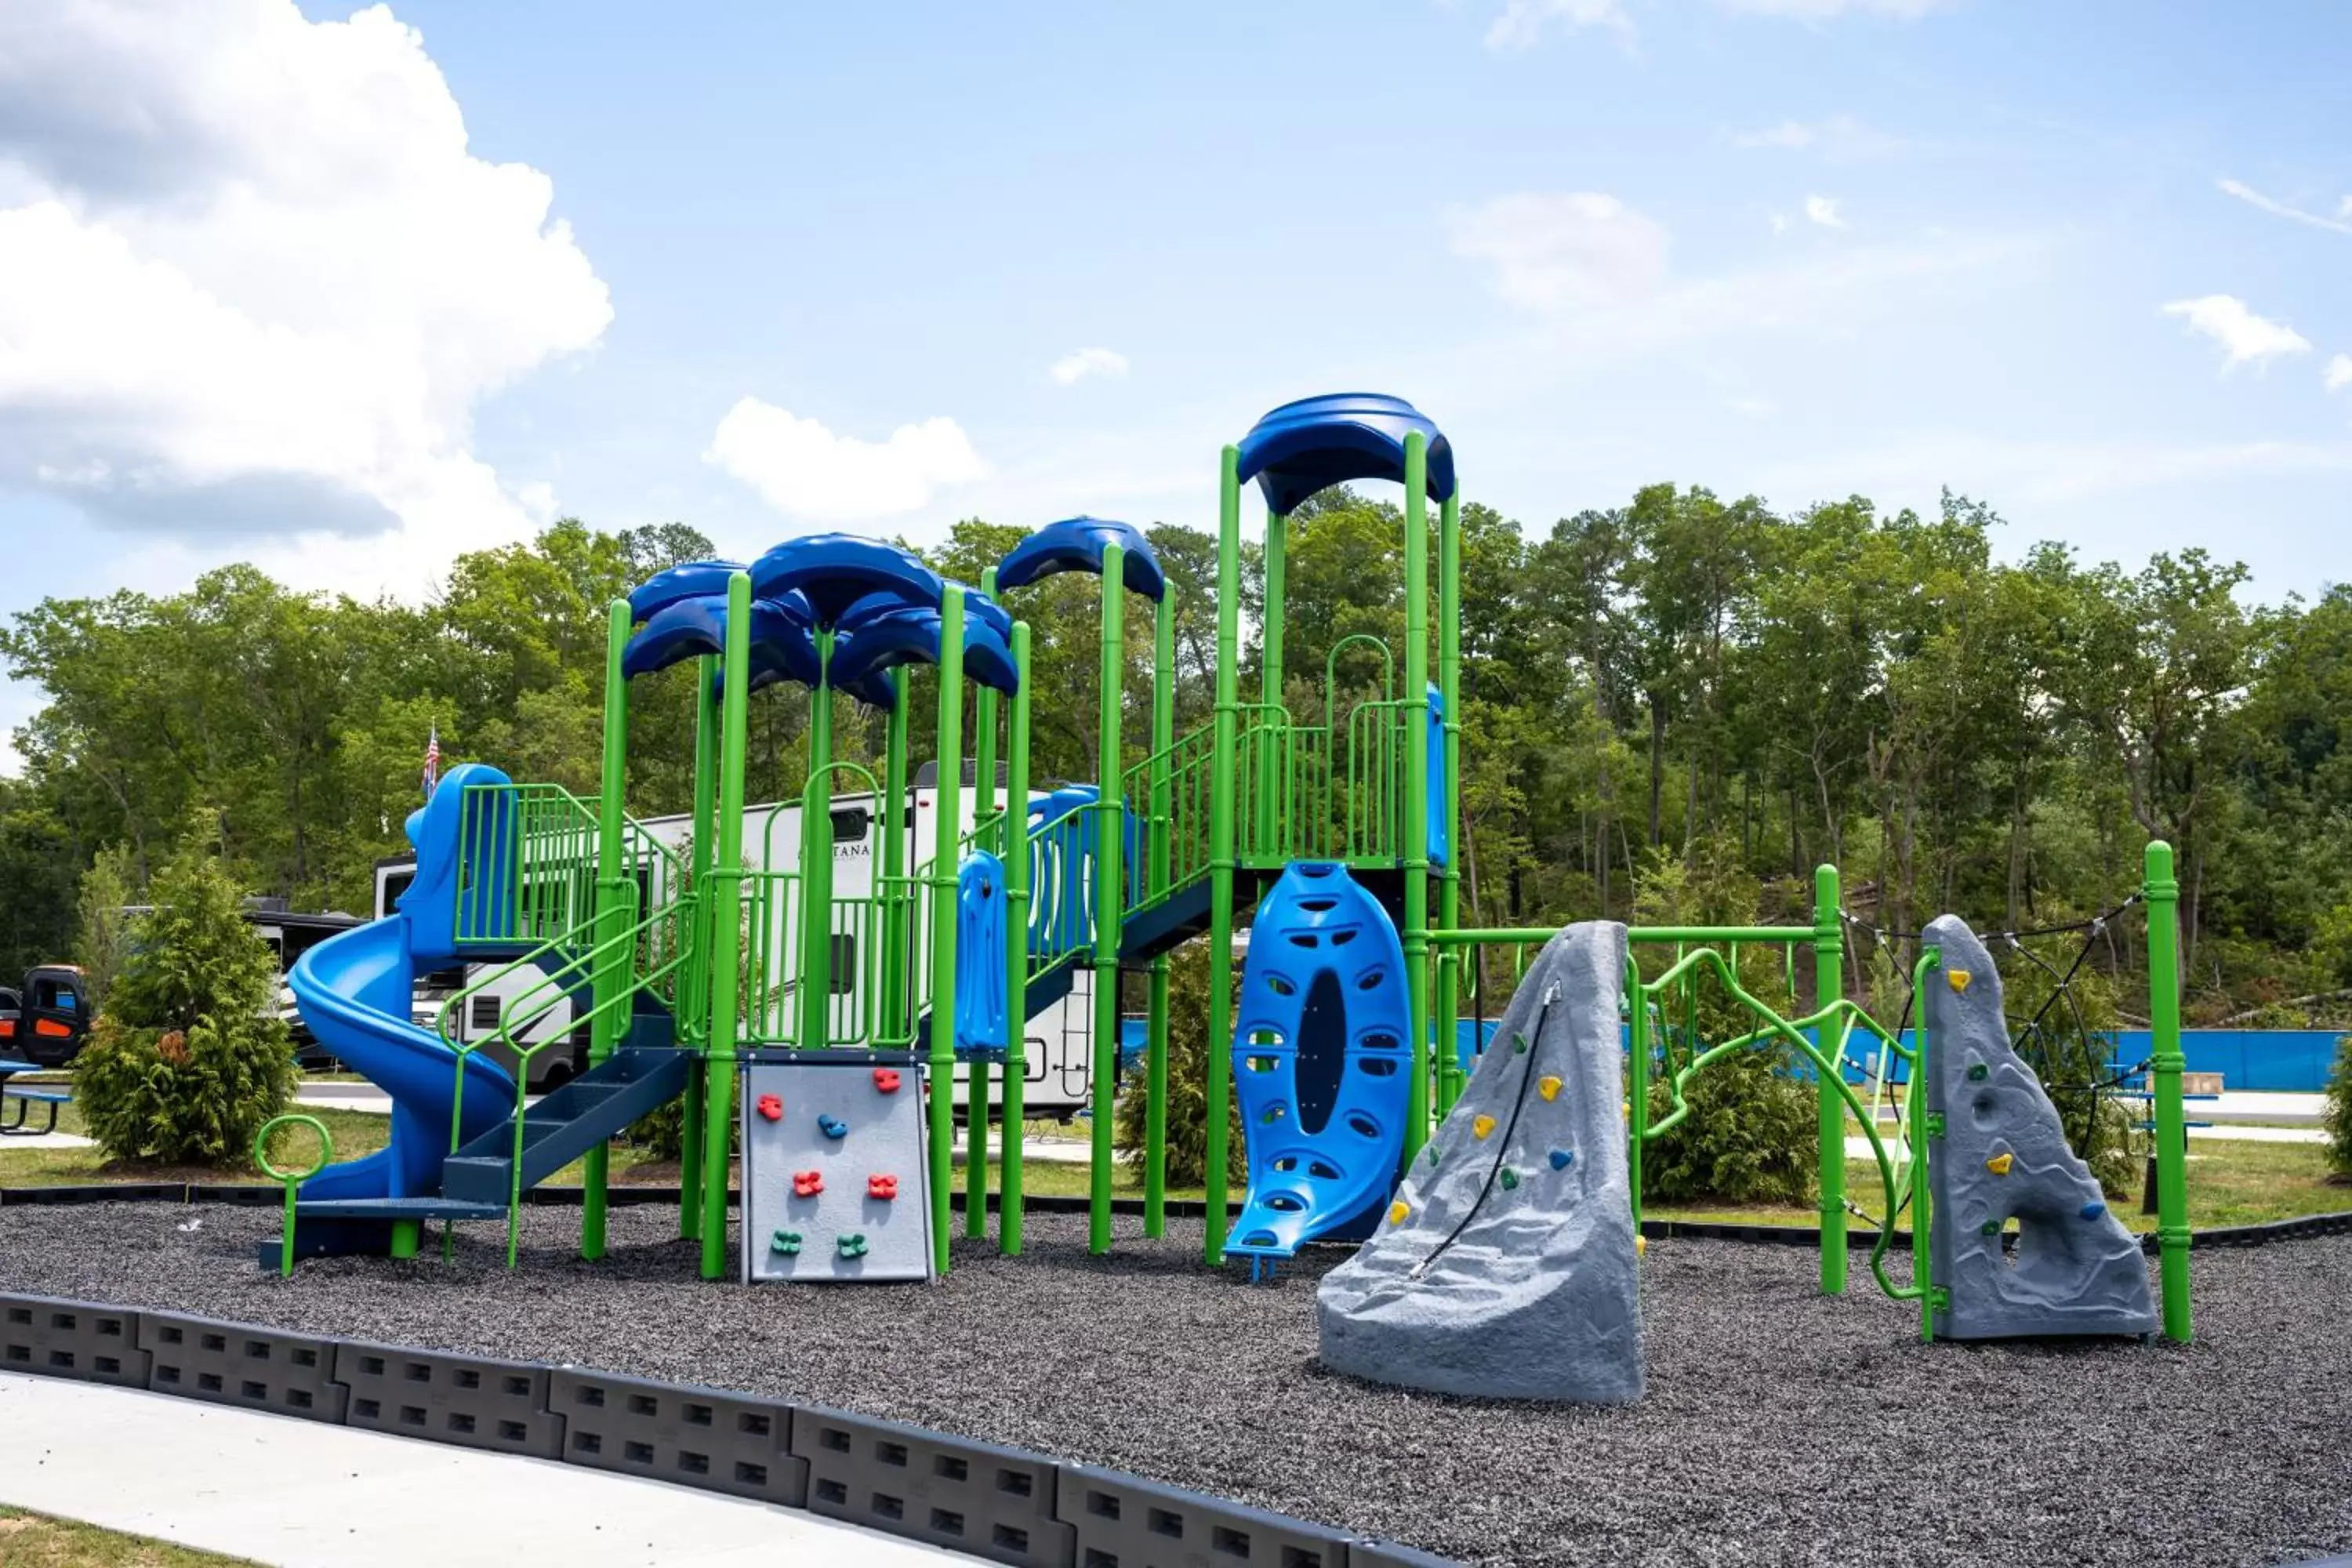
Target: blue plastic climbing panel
[
  {"x": 980, "y": 954},
  {"x": 1321, "y": 1061}
]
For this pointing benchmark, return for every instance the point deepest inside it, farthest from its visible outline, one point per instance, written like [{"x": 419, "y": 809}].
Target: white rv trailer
[{"x": 1059, "y": 1074}]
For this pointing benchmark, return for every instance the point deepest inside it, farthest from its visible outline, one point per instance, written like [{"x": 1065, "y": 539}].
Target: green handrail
[{"x": 290, "y": 1179}]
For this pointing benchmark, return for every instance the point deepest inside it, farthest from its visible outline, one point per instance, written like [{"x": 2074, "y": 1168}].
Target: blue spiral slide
[{"x": 1322, "y": 1061}]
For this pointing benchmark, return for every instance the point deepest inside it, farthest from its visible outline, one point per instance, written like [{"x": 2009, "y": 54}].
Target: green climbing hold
[
  {"x": 1976, "y": 1073},
  {"x": 1991, "y": 1228},
  {"x": 852, "y": 1245},
  {"x": 787, "y": 1242},
  {"x": 1519, "y": 1044},
  {"x": 1432, "y": 1153},
  {"x": 1510, "y": 1178}
]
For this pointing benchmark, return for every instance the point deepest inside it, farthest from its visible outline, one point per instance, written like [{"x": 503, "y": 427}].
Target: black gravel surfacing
[{"x": 1779, "y": 1426}]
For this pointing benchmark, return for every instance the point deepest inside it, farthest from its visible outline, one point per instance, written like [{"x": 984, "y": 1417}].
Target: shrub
[
  {"x": 189, "y": 1059},
  {"x": 1189, "y": 1041},
  {"x": 2337, "y": 1118},
  {"x": 103, "y": 927},
  {"x": 1752, "y": 1137}
]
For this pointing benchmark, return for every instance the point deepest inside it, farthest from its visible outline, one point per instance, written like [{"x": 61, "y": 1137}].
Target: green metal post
[
  {"x": 1414, "y": 831},
  {"x": 1111, "y": 890},
  {"x": 614, "y": 887},
  {"x": 1266, "y": 822},
  {"x": 2171, "y": 1128},
  {"x": 1016, "y": 946},
  {"x": 696, "y": 989},
  {"x": 1156, "y": 872},
  {"x": 816, "y": 1031},
  {"x": 1449, "y": 880},
  {"x": 894, "y": 1016},
  {"x": 1829, "y": 987},
  {"x": 975, "y": 1100},
  {"x": 726, "y": 932},
  {"x": 1218, "y": 1056},
  {"x": 948, "y": 825}
]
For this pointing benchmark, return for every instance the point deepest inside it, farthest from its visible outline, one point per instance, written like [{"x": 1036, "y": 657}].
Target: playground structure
[{"x": 693, "y": 969}]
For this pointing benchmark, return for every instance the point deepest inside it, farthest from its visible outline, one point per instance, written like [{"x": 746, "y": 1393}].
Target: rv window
[
  {"x": 850, "y": 822},
  {"x": 845, "y": 961},
  {"x": 484, "y": 1017}
]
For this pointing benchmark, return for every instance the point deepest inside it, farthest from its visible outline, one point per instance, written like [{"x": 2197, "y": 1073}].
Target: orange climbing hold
[
  {"x": 1481, "y": 1125},
  {"x": 1549, "y": 1087},
  {"x": 1999, "y": 1164},
  {"x": 1399, "y": 1212},
  {"x": 807, "y": 1184}
]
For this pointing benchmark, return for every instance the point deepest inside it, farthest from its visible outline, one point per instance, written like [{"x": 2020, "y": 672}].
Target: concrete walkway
[{"x": 298, "y": 1493}]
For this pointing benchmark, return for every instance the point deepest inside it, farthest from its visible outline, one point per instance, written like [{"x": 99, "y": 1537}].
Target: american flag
[{"x": 432, "y": 762}]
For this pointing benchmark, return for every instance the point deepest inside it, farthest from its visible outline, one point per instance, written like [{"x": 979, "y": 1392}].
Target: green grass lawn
[
  {"x": 2230, "y": 1183},
  {"x": 36, "y": 1541}
]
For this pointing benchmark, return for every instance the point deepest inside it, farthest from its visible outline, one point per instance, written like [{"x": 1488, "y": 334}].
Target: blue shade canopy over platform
[
  {"x": 1079, "y": 545},
  {"x": 687, "y": 580},
  {"x": 911, "y": 635},
  {"x": 1302, "y": 447},
  {"x": 833, "y": 571},
  {"x": 782, "y": 649}
]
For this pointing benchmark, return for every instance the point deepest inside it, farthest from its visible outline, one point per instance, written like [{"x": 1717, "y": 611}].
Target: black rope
[{"x": 1502, "y": 1148}]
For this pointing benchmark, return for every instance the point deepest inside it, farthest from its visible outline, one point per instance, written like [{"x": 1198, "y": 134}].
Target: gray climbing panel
[
  {"x": 834, "y": 1175},
  {"x": 1504, "y": 1266},
  {"x": 2003, "y": 1155}
]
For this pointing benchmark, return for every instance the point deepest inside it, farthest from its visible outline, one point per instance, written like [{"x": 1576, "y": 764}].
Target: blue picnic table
[{"x": 26, "y": 1098}]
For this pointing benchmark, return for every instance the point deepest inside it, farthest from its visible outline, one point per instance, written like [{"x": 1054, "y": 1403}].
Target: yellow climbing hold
[
  {"x": 1999, "y": 1164},
  {"x": 1956, "y": 978},
  {"x": 1481, "y": 1125},
  {"x": 1640, "y": 1246},
  {"x": 1399, "y": 1212},
  {"x": 1547, "y": 1086}
]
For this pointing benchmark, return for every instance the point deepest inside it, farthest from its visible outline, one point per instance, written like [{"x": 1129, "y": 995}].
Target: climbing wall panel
[{"x": 833, "y": 1174}]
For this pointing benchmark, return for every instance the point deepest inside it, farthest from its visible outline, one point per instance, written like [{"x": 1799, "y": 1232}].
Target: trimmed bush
[
  {"x": 2337, "y": 1118},
  {"x": 189, "y": 1059},
  {"x": 1751, "y": 1136}
]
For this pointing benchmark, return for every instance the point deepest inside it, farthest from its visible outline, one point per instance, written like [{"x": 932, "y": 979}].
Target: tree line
[{"x": 1672, "y": 707}]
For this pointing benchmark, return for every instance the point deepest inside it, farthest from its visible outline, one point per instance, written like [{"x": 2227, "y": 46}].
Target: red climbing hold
[
  {"x": 886, "y": 1079},
  {"x": 772, "y": 1106},
  {"x": 883, "y": 1187},
  {"x": 807, "y": 1184}
]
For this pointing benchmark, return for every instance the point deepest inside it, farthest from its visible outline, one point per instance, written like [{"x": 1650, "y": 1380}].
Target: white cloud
[
  {"x": 1827, "y": 10},
  {"x": 1520, "y": 24},
  {"x": 1840, "y": 139},
  {"x": 2254, "y": 198},
  {"x": 806, "y": 471},
  {"x": 1823, "y": 210},
  {"x": 2246, "y": 338},
  {"x": 252, "y": 283},
  {"x": 2338, "y": 373},
  {"x": 1556, "y": 251},
  {"x": 1779, "y": 223},
  {"x": 1072, "y": 368}
]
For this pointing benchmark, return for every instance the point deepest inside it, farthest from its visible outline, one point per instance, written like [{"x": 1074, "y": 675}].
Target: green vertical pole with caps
[
  {"x": 1110, "y": 833},
  {"x": 1414, "y": 831},
  {"x": 1829, "y": 987},
  {"x": 1267, "y": 841},
  {"x": 1163, "y": 741},
  {"x": 975, "y": 1101},
  {"x": 816, "y": 1031},
  {"x": 614, "y": 887},
  {"x": 897, "y": 1017},
  {"x": 946, "y": 829},
  {"x": 694, "y": 992},
  {"x": 1017, "y": 895},
  {"x": 2165, "y": 1062},
  {"x": 726, "y": 931},
  {"x": 1218, "y": 1057},
  {"x": 1449, "y": 799}
]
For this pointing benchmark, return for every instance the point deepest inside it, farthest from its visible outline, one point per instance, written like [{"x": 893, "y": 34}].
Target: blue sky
[{"x": 352, "y": 291}]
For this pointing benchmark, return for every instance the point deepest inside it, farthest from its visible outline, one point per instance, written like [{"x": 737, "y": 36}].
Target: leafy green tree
[
  {"x": 190, "y": 1059},
  {"x": 102, "y": 943}
]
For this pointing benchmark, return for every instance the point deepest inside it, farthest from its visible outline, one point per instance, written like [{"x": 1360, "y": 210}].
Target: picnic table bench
[{"x": 24, "y": 1100}]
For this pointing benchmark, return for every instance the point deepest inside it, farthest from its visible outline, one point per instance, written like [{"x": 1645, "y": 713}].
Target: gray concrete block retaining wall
[{"x": 1005, "y": 1504}]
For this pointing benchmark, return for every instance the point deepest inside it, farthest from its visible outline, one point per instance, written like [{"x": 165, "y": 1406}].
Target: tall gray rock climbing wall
[
  {"x": 2003, "y": 1155},
  {"x": 1504, "y": 1266}
]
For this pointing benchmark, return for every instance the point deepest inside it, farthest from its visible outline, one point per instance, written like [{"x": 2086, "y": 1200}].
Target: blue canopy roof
[
  {"x": 782, "y": 649},
  {"x": 688, "y": 580},
  {"x": 1317, "y": 442},
  {"x": 1079, "y": 545},
  {"x": 833, "y": 571},
  {"x": 911, "y": 635}
]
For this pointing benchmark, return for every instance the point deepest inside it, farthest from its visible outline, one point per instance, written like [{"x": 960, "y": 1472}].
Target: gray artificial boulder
[
  {"x": 2003, "y": 1155},
  {"x": 1504, "y": 1266}
]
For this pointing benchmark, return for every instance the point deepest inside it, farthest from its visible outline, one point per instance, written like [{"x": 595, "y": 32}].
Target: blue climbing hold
[
  {"x": 1563, "y": 1158},
  {"x": 833, "y": 1126},
  {"x": 2094, "y": 1209}
]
